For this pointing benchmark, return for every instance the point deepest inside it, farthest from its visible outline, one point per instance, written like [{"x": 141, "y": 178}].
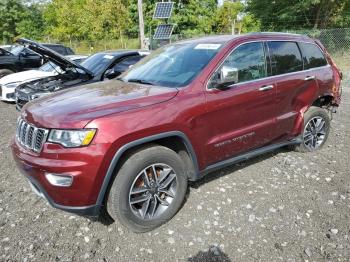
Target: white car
[{"x": 9, "y": 83}]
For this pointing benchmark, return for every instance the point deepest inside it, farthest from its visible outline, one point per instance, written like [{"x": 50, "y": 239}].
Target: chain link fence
[{"x": 335, "y": 40}]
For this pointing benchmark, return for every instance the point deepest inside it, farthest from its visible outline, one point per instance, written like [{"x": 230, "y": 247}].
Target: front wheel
[
  {"x": 148, "y": 189},
  {"x": 316, "y": 130}
]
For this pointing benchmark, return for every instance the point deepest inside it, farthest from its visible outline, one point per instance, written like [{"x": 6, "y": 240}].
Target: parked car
[
  {"x": 9, "y": 83},
  {"x": 98, "y": 67},
  {"x": 7, "y": 47},
  {"x": 20, "y": 58},
  {"x": 61, "y": 49},
  {"x": 131, "y": 145}
]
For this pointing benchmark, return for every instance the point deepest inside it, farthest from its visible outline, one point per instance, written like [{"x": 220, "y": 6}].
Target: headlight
[
  {"x": 12, "y": 85},
  {"x": 38, "y": 95},
  {"x": 72, "y": 138}
]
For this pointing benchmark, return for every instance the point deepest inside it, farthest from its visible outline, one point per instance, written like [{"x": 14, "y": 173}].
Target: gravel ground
[{"x": 280, "y": 206}]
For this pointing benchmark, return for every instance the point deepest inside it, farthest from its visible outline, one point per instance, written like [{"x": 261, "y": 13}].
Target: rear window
[
  {"x": 313, "y": 56},
  {"x": 285, "y": 57}
]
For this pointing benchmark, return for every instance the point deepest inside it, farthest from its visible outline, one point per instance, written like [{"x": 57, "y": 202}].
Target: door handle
[
  {"x": 265, "y": 88},
  {"x": 309, "y": 78}
]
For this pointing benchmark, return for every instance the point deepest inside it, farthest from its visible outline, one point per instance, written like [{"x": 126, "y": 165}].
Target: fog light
[{"x": 59, "y": 180}]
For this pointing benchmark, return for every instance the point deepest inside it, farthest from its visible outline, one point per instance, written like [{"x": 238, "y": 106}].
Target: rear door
[
  {"x": 295, "y": 87},
  {"x": 316, "y": 63},
  {"x": 242, "y": 116}
]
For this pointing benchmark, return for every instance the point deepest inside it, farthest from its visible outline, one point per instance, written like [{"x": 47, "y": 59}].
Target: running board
[{"x": 249, "y": 155}]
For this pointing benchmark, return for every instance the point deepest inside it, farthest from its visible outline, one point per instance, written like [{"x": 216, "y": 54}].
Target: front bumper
[
  {"x": 81, "y": 197},
  {"x": 89, "y": 211}
]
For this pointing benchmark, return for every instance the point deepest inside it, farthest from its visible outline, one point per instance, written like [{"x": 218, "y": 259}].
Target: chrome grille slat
[
  {"x": 31, "y": 137},
  {"x": 34, "y": 137}
]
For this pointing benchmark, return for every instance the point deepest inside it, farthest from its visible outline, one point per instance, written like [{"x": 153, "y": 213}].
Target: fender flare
[{"x": 124, "y": 148}]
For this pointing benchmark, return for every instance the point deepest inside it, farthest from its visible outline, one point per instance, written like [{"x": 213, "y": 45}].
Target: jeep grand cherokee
[{"x": 131, "y": 145}]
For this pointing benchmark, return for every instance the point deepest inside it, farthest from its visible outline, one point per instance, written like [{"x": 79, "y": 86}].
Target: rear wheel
[
  {"x": 5, "y": 72},
  {"x": 316, "y": 130},
  {"x": 148, "y": 189}
]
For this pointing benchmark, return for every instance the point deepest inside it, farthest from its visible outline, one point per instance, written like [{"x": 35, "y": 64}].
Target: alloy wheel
[
  {"x": 152, "y": 191},
  {"x": 314, "y": 133}
]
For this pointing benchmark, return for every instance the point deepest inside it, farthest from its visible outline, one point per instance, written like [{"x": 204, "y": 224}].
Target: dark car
[
  {"x": 20, "y": 58},
  {"x": 61, "y": 49},
  {"x": 98, "y": 67},
  {"x": 190, "y": 108}
]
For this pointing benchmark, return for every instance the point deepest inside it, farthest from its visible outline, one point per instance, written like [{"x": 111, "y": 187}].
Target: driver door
[
  {"x": 30, "y": 60},
  {"x": 241, "y": 116}
]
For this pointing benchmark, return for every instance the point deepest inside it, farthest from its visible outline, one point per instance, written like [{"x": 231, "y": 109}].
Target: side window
[
  {"x": 57, "y": 49},
  {"x": 313, "y": 56},
  {"x": 69, "y": 51},
  {"x": 248, "y": 60},
  {"x": 126, "y": 63},
  {"x": 285, "y": 57}
]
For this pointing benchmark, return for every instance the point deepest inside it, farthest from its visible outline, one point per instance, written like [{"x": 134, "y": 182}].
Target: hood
[
  {"x": 24, "y": 76},
  {"x": 75, "y": 108},
  {"x": 51, "y": 55}
]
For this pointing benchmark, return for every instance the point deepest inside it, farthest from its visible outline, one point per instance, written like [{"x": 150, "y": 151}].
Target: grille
[{"x": 31, "y": 137}]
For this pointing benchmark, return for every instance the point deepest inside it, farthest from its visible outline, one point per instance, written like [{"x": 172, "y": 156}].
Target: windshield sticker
[
  {"x": 108, "y": 57},
  {"x": 208, "y": 46}
]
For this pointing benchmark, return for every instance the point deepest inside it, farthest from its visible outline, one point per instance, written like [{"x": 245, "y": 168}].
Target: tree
[
  {"x": 86, "y": 19},
  {"x": 11, "y": 13},
  {"x": 194, "y": 17},
  {"x": 32, "y": 23},
  {"x": 296, "y": 14},
  {"x": 226, "y": 16}
]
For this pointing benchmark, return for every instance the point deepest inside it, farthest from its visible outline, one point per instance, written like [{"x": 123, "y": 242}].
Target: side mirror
[
  {"x": 110, "y": 73},
  {"x": 228, "y": 76}
]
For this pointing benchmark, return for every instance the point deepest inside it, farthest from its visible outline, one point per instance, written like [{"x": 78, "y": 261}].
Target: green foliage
[
  {"x": 194, "y": 17},
  {"x": 295, "y": 14},
  {"x": 32, "y": 23},
  {"x": 95, "y": 21},
  {"x": 86, "y": 19},
  {"x": 225, "y": 16},
  {"x": 11, "y": 13},
  {"x": 250, "y": 24}
]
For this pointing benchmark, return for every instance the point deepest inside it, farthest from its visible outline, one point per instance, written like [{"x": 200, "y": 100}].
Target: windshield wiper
[{"x": 140, "y": 81}]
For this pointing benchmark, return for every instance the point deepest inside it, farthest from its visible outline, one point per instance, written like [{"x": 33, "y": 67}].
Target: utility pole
[{"x": 141, "y": 25}]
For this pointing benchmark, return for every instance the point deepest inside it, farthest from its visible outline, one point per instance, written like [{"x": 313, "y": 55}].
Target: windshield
[
  {"x": 17, "y": 50},
  {"x": 49, "y": 67},
  {"x": 172, "y": 66},
  {"x": 98, "y": 63}
]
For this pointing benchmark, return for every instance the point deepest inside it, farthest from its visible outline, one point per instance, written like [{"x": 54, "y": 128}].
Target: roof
[{"x": 227, "y": 38}]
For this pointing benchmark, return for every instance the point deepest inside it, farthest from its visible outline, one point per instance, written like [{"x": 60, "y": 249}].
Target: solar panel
[
  {"x": 163, "y": 31},
  {"x": 163, "y": 9}
]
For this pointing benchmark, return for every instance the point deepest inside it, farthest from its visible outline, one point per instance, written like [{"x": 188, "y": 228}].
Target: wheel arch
[
  {"x": 324, "y": 100},
  {"x": 175, "y": 140}
]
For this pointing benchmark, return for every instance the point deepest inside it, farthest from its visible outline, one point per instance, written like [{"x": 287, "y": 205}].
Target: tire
[
  {"x": 311, "y": 135},
  {"x": 121, "y": 198},
  {"x": 5, "y": 72}
]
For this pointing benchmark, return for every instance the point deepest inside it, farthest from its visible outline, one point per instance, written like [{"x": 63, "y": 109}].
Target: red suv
[{"x": 131, "y": 145}]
